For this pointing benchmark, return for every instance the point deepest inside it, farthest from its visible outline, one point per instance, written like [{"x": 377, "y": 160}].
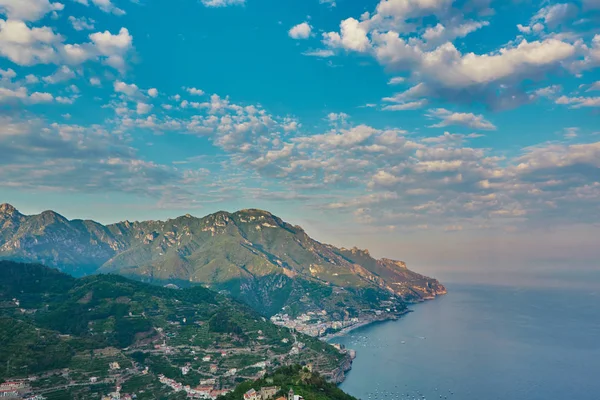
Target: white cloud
[
  {"x": 300, "y": 31},
  {"x": 28, "y": 10},
  {"x": 392, "y": 37},
  {"x": 352, "y": 36},
  {"x": 323, "y": 53},
  {"x": 31, "y": 79},
  {"x": 8, "y": 74},
  {"x": 82, "y": 23},
  {"x": 594, "y": 86},
  {"x": 62, "y": 74},
  {"x": 470, "y": 120},
  {"x": 396, "y": 80},
  {"x": 130, "y": 90},
  {"x": 447, "y": 66},
  {"x": 113, "y": 47},
  {"x": 40, "y": 97},
  {"x": 195, "y": 92},
  {"x": 330, "y": 3},
  {"x": 411, "y": 105},
  {"x": 223, "y": 3},
  {"x": 579, "y": 102},
  {"x": 153, "y": 92},
  {"x": 95, "y": 81},
  {"x": 7, "y": 94},
  {"x": 28, "y": 46},
  {"x": 555, "y": 14},
  {"x": 439, "y": 34},
  {"x": 143, "y": 108},
  {"x": 105, "y": 5}
]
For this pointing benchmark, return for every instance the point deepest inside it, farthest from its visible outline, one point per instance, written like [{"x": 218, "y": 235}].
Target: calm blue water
[{"x": 483, "y": 343}]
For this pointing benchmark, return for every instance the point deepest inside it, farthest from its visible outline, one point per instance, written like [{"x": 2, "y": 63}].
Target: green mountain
[
  {"x": 65, "y": 332},
  {"x": 252, "y": 254}
]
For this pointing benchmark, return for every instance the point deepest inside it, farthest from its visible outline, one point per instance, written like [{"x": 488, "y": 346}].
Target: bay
[{"x": 483, "y": 342}]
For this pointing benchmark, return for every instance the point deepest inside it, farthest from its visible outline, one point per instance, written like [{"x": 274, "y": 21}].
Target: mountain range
[{"x": 251, "y": 254}]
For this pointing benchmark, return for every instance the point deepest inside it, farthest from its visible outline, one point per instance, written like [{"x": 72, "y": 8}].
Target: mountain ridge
[{"x": 251, "y": 253}]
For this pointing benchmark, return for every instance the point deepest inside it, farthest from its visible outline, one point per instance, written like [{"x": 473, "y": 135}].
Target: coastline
[
  {"x": 347, "y": 364},
  {"x": 362, "y": 324}
]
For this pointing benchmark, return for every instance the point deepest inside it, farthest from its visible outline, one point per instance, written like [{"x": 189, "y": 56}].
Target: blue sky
[{"x": 447, "y": 133}]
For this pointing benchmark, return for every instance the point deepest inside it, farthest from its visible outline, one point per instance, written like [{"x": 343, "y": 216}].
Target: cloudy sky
[{"x": 453, "y": 134}]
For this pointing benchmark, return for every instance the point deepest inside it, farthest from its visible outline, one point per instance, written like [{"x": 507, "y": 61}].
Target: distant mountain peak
[
  {"x": 53, "y": 215},
  {"x": 231, "y": 251},
  {"x": 254, "y": 211},
  {"x": 8, "y": 209},
  {"x": 356, "y": 250}
]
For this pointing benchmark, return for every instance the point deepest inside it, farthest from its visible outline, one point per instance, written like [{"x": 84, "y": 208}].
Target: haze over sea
[{"x": 484, "y": 342}]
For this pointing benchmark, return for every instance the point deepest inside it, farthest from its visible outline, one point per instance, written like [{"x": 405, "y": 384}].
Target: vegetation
[
  {"x": 50, "y": 321},
  {"x": 251, "y": 254},
  {"x": 309, "y": 385}
]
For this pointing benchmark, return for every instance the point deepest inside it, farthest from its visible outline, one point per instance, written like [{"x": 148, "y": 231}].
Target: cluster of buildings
[
  {"x": 11, "y": 389},
  {"x": 204, "y": 391},
  {"x": 312, "y": 323},
  {"x": 265, "y": 393},
  {"x": 17, "y": 390}
]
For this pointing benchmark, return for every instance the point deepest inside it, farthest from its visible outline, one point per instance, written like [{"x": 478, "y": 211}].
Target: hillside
[
  {"x": 301, "y": 380},
  {"x": 252, "y": 254},
  {"x": 51, "y": 323}
]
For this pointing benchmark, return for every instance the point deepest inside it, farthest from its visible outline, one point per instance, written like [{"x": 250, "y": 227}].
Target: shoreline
[{"x": 363, "y": 324}]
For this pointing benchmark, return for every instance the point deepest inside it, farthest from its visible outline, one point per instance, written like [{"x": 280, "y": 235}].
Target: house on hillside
[
  {"x": 251, "y": 395},
  {"x": 268, "y": 392}
]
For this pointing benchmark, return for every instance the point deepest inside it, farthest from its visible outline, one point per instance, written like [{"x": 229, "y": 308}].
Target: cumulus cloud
[
  {"x": 28, "y": 46},
  {"x": 81, "y": 23},
  {"x": 579, "y": 101},
  {"x": 77, "y": 158},
  {"x": 143, "y": 108},
  {"x": 62, "y": 74},
  {"x": 28, "y": 10},
  {"x": 439, "y": 34},
  {"x": 300, "y": 31},
  {"x": 153, "y": 92},
  {"x": 555, "y": 14},
  {"x": 390, "y": 34},
  {"x": 105, "y": 5},
  {"x": 40, "y": 97},
  {"x": 470, "y": 120},
  {"x": 130, "y": 90},
  {"x": 113, "y": 48},
  {"x": 41, "y": 45},
  {"x": 352, "y": 36},
  {"x": 195, "y": 92}
]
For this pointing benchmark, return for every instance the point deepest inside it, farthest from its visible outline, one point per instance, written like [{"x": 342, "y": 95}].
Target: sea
[{"x": 483, "y": 342}]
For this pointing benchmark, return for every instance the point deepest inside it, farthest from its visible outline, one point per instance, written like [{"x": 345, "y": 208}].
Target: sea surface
[{"x": 483, "y": 343}]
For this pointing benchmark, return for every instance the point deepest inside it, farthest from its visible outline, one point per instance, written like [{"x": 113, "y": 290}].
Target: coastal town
[
  {"x": 179, "y": 360},
  {"x": 324, "y": 325}
]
